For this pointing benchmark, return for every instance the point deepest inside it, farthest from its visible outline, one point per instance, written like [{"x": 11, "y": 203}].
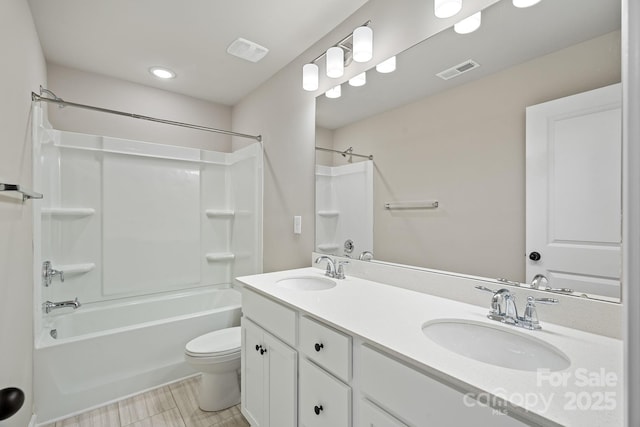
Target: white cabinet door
[
  {"x": 253, "y": 375},
  {"x": 574, "y": 191},
  {"x": 283, "y": 383},
  {"x": 324, "y": 401},
  {"x": 269, "y": 379}
]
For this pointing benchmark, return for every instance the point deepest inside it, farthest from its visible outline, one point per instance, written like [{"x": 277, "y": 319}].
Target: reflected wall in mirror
[{"x": 463, "y": 141}]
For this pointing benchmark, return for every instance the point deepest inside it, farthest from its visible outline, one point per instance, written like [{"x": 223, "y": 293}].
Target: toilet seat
[{"x": 224, "y": 342}]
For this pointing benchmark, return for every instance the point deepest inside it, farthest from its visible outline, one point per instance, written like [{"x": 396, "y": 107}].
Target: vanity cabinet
[
  {"x": 419, "y": 399},
  {"x": 296, "y": 370},
  {"x": 269, "y": 378}
]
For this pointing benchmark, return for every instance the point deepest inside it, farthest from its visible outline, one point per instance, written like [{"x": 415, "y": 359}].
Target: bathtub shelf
[
  {"x": 220, "y": 213},
  {"x": 69, "y": 269},
  {"x": 328, "y": 214},
  {"x": 327, "y": 247},
  {"x": 221, "y": 257},
  {"x": 68, "y": 212}
]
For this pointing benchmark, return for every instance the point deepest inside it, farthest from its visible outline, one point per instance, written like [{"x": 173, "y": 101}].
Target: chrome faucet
[
  {"x": 48, "y": 272},
  {"x": 48, "y": 305},
  {"x": 540, "y": 281},
  {"x": 504, "y": 309},
  {"x": 331, "y": 266},
  {"x": 333, "y": 271}
]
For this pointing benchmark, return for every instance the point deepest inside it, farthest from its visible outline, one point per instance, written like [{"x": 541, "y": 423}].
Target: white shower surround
[
  {"x": 344, "y": 207},
  {"x": 150, "y": 236}
]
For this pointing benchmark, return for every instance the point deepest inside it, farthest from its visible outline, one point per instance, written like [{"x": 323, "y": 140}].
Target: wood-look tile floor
[{"x": 174, "y": 405}]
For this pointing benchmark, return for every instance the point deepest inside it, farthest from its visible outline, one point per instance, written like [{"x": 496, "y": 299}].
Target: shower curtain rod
[
  {"x": 347, "y": 152},
  {"x": 63, "y": 103}
]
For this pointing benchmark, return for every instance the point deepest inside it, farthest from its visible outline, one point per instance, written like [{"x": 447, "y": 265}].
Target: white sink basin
[
  {"x": 306, "y": 283},
  {"x": 496, "y": 346}
]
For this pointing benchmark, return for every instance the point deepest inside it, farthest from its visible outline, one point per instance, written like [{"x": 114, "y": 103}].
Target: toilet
[{"x": 217, "y": 356}]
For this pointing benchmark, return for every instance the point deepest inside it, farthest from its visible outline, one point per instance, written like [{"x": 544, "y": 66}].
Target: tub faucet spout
[{"x": 48, "y": 305}]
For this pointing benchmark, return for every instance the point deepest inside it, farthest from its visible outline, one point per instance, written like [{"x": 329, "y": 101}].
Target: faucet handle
[
  {"x": 530, "y": 319},
  {"x": 340, "y": 269},
  {"x": 484, "y": 288}
]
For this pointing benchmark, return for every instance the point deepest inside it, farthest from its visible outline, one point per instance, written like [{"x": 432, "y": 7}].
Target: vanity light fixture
[
  {"x": 525, "y": 3},
  {"x": 359, "y": 80},
  {"x": 334, "y": 92},
  {"x": 387, "y": 66},
  {"x": 446, "y": 8},
  {"x": 357, "y": 46},
  {"x": 162, "y": 73},
  {"x": 468, "y": 25}
]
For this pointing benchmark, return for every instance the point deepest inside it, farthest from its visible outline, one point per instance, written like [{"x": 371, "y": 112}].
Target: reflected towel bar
[
  {"x": 26, "y": 194},
  {"x": 347, "y": 152},
  {"x": 425, "y": 204}
]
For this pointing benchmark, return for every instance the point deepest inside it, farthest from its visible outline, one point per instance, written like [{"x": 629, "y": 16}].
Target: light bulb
[
  {"x": 334, "y": 92},
  {"x": 387, "y": 66},
  {"x": 525, "y": 3},
  {"x": 469, "y": 25},
  {"x": 446, "y": 8},
  {"x": 362, "y": 44},
  {"x": 359, "y": 80},
  {"x": 335, "y": 62},
  {"x": 310, "y": 77}
]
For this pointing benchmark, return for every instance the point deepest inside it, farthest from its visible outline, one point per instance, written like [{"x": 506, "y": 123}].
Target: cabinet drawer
[
  {"x": 324, "y": 401},
  {"x": 327, "y": 347},
  {"x": 372, "y": 416},
  {"x": 274, "y": 317},
  {"x": 419, "y": 399}
]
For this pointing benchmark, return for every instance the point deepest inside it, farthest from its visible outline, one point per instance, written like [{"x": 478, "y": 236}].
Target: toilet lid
[{"x": 223, "y": 341}]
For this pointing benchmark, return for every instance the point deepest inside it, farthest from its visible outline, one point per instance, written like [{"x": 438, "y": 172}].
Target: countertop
[{"x": 588, "y": 393}]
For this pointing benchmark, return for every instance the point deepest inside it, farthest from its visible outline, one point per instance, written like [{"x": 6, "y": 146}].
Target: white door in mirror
[{"x": 574, "y": 156}]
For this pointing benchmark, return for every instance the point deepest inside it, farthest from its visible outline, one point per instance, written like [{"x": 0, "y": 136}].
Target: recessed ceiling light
[{"x": 162, "y": 73}]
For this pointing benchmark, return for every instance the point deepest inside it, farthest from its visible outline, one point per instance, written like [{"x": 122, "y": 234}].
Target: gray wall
[
  {"x": 107, "y": 92},
  {"x": 23, "y": 70}
]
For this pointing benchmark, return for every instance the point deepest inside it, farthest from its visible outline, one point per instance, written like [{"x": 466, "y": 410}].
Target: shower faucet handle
[{"x": 48, "y": 272}]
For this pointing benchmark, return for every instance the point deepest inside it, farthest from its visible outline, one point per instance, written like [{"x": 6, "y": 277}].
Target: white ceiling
[
  {"x": 123, "y": 38},
  {"x": 508, "y": 36}
]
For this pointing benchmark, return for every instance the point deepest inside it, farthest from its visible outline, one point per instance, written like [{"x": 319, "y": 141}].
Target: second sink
[
  {"x": 306, "y": 283},
  {"x": 495, "y": 346}
]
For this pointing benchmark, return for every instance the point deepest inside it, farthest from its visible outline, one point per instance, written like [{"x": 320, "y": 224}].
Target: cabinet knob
[
  {"x": 319, "y": 346},
  {"x": 258, "y": 347},
  {"x": 535, "y": 256},
  {"x": 317, "y": 409},
  {"x": 263, "y": 350}
]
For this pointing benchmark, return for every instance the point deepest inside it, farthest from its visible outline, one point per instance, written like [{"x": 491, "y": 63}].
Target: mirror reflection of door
[{"x": 573, "y": 158}]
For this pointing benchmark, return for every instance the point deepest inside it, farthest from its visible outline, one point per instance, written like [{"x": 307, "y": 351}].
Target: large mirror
[{"x": 451, "y": 184}]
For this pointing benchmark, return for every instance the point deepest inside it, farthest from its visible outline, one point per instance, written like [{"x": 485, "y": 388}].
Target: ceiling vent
[
  {"x": 247, "y": 50},
  {"x": 459, "y": 69}
]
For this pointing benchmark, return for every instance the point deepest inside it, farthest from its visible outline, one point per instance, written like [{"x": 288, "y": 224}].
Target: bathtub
[{"x": 105, "y": 351}]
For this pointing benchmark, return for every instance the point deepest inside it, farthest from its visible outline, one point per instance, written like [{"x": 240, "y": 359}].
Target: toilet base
[{"x": 219, "y": 391}]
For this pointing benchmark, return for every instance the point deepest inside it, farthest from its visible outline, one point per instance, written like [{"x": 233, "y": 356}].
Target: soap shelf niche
[
  {"x": 68, "y": 212},
  {"x": 220, "y": 213},
  {"x": 328, "y": 214},
  {"x": 328, "y": 247},
  {"x": 220, "y": 257},
  {"x": 72, "y": 269}
]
